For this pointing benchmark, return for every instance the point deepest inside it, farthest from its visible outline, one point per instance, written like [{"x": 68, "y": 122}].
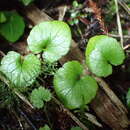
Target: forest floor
[{"x": 86, "y": 18}]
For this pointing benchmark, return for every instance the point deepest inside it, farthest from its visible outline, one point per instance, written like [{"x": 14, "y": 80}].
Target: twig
[
  {"x": 124, "y": 5},
  {"x": 27, "y": 119},
  {"x": 93, "y": 119},
  {"x": 20, "y": 124},
  {"x": 2, "y": 53},
  {"x": 119, "y": 23},
  {"x": 62, "y": 11},
  {"x": 126, "y": 47},
  {"x": 23, "y": 99},
  {"x": 110, "y": 94},
  {"x": 117, "y": 36},
  {"x": 70, "y": 114}
]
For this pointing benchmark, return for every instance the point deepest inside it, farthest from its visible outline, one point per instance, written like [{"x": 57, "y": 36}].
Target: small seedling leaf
[
  {"x": 72, "y": 88},
  {"x": 53, "y": 38},
  {"x": 101, "y": 53},
  {"x": 38, "y": 96},
  {"x": 46, "y": 127},
  {"x": 27, "y": 2},
  {"x": 21, "y": 71}
]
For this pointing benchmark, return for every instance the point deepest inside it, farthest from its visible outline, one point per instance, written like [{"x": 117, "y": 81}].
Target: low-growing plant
[
  {"x": 74, "y": 88},
  {"x": 101, "y": 53},
  {"x": 52, "y": 40},
  {"x": 39, "y": 96},
  {"x": 18, "y": 69}
]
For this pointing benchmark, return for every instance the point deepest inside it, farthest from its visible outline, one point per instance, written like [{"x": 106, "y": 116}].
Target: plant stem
[
  {"x": 118, "y": 36},
  {"x": 119, "y": 23}
]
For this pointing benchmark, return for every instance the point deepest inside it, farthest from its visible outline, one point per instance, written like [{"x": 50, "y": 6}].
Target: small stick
[
  {"x": 93, "y": 119},
  {"x": 27, "y": 119},
  {"x": 20, "y": 123},
  {"x": 2, "y": 53},
  {"x": 23, "y": 99},
  {"x": 62, "y": 11},
  {"x": 118, "y": 36},
  {"x": 70, "y": 114},
  {"x": 124, "y": 5},
  {"x": 119, "y": 23},
  {"x": 126, "y": 47},
  {"x": 110, "y": 94}
]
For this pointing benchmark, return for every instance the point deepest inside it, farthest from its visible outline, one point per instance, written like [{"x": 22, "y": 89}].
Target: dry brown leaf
[{"x": 97, "y": 12}]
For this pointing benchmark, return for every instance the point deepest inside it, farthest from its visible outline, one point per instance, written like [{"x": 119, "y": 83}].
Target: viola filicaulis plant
[{"x": 52, "y": 40}]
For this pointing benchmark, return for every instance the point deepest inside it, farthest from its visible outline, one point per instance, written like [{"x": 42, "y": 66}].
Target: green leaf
[
  {"x": 76, "y": 128},
  {"x": 27, "y": 2},
  {"x": 46, "y": 127},
  {"x": 2, "y": 17},
  {"x": 128, "y": 98},
  {"x": 38, "y": 96},
  {"x": 53, "y": 38},
  {"x": 101, "y": 52},
  {"x": 75, "y": 4},
  {"x": 73, "y": 89},
  {"x": 13, "y": 28},
  {"x": 21, "y": 71}
]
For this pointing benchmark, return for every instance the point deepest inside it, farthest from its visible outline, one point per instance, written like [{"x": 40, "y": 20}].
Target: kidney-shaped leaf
[
  {"x": 21, "y": 71},
  {"x": 53, "y": 38},
  {"x": 101, "y": 52},
  {"x": 13, "y": 28},
  {"x": 72, "y": 88}
]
